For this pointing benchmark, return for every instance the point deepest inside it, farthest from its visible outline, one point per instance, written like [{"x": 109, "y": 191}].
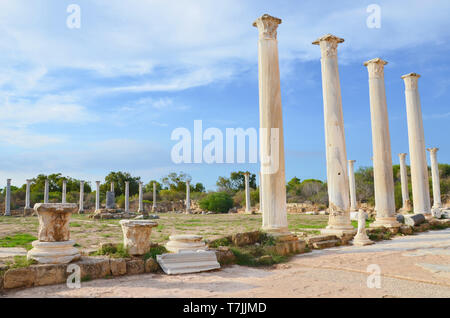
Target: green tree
[
  {"x": 217, "y": 202},
  {"x": 119, "y": 178}
]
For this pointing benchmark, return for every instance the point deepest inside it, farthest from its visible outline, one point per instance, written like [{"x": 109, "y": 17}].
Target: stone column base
[
  {"x": 136, "y": 235},
  {"x": 361, "y": 239},
  {"x": 54, "y": 252},
  {"x": 388, "y": 222},
  {"x": 180, "y": 243}
]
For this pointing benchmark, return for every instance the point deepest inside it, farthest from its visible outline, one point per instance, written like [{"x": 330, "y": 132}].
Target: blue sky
[{"x": 107, "y": 96}]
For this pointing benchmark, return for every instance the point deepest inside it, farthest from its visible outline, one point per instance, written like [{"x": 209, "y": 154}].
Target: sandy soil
[{"x": 411, "y": 266}]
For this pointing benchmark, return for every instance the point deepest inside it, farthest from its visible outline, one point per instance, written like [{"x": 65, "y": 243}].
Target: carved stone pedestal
[
  {"x": 54, "y": 245},
  {"x": 136, "y": 235}
]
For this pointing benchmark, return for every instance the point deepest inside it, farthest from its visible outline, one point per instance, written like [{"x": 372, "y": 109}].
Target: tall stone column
[
  {"x": 381, "y": 143},
  {"x": 127, "y": 196},
  {"x": 351, "y": 180},
  {"x": 154, "y": 197},
  {"x": 273, "y": 179},
  {"x": 64, "y": 190},
  {"x": 112, "y": 186},
  {"x": 8, "y": 198},
  {"x": 247, "y": 193},
  {"x": 418, "y": 159},
  {"x": 81, "y": 208},
  {"x": 406, "y": 206},
  {"x": 46, "y": 191},
  {"x": 260, "y": 193},
  {"x": 336, "y": 154},
  {"x": 141, "y": 202},
  {"x": 97, "y": 196},
  {"x": 27, "y": 195},
  {"x": 437, "y": 204},
  {"x": 188, "y": 197}
]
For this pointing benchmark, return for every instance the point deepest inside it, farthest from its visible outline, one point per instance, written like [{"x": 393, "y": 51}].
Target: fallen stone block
[
  {"x": 325, "y": 244},
  {"x": 400, "y": 218},
  {"x": 318, "y": 238},
  {"x": 225, "y": 256},
  {"x": 188, "y": 262},
  {"x": 248, "y": 238},
  {"x": 414, "y": 219},
  {"x": 151, "y": 266},
  {"x": 406, "y": 230}
]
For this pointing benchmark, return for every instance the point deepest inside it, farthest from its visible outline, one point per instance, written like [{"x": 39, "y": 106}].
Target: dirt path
[{"x": 411, "y": 266}]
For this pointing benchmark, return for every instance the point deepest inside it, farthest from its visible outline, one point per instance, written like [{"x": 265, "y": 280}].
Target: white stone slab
[{"x": 188, "y": 262}]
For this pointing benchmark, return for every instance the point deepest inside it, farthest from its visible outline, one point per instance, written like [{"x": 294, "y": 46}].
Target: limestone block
[
  {"x": 94, "y": 267},
  {"x": 136, "y": 235},
  {"x": 50, "y": 274},
  {"x": 151, "y": 266},
  {"x": 19, "y": 277},
  {"x": 54, "y": 221},
  {"x": 118, "y": 266},
  {"x": 225, "y": 256},
  {"x": 406, "y": 230},
  {"x": 178, "y": 243},
  {"x": 248, "y": 238},
  {"x": 135, "y": 266},
  {"x": 54, "y": 252},
  {"x": 414, "y": 219},
  {"x": 188, "y": 262}
]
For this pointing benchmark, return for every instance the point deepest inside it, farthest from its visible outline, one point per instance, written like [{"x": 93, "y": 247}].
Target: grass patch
[
  {"x": 21, "y": 261},
  {"x": 224, "y": 241},
  {"x": 255, "y": 256},
  {"x": 74, "y": 224},
  {"x": 18, "y": 240},
  {"x": 114, "y": 251},
  {"x": 355, "y": 223},
  {"x": 154, "y": 251}
]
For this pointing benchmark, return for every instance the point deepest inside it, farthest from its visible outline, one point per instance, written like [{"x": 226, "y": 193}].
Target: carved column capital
[{"x": 267, "y": 27}]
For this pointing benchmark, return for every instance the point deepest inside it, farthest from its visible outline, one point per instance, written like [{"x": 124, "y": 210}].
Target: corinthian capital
[
  {"x": 433, "y": 150},
  {"x": 328, "y": 45},
  {"x": 375, "y": 67},
  {"x": 267, "y": 27},
  {"x": 411, "y": 80}
]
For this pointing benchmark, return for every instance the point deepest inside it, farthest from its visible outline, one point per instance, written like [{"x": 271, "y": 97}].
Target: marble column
[
  {"x": 381, "y": 143},
  {"x": 46, "y": 191},
  {"x": 27, "y": 194},
  {"x": 112, "y": 186},
  {"x": 418, "y": 159},
  {"x": 188, "y": 197},
  {"x": 141, "y": 202},
  {"x": 351, "y": 180},
  {"x": 127, "y": 196},
  {"x": 260, "y": 193},
  {"x": 64, "y": 190},
  {"x": 437, "y": 204},
  {"x": 336, "y": 154},
  {"x": 81, "y": 208},
  {"x": 97, "y": 196},
  {"x": 247, "y": 193},
  {"x": 273, "y": 179},
  {"x": 8, "y": 198},
  {"x": 154, "y": 197},
  {"x": 406, "y": 206}
]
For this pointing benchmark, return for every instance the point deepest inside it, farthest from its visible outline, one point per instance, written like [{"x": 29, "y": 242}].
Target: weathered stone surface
[
  {"x": 110, "y": 200},
  {"x": 54, "y": 252},
  {"x": 225, "y": 256},
  {"x": 406, "y": 230},
  {"x": 19, "y": 277},
  {"x": 94, "y": 267},
  {"x": 54, "y": 221},
  {"x": 118, "y": 266},
  {"x": 445, "y": 214},
  {"x": 151, "y": 266},
  {"x": 400, "y": 218},
  {"x": 135, "y": 266},
  {"x": 248, "y": 238},
  {"x": 28, "y": 212},
  {"x": 136, "y": 235},
  {"x": 319, "y": 238},
  {"x": 325, "y": 244},
  {"x": 50, "y": 274},
  {"x": 422, "y": 227},
  {"x": 188, "y": 262},
  {"x": 178, "y": 243},
  {"x": 414, "y": 219}
]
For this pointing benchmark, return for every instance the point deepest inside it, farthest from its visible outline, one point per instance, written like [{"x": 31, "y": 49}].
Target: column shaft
[
  {"x": 8, "y": 198},
  {"x": 97, "y": 196},
  {"x": 188, "y": 197},
  {"x": 141, "y": 202},
  {"x": 406, "y": 207},
  {"x": 27, "y": 195},
  {"x": 127, "y": 196},
  {"x": 351, "y": 179},
  {"x": 336, "y": 154},
  {"x": 64, "y": 189},
  {"x": 437, "y": 204},
  {"x": 273, "y": 180},
  {"x": 81, "y": 204},
  {"x": 381, "y": 143},
  {"x": 419, "y": 168},
  {"x": 46, "y": 191},
  {"x": 247, "y": 193}
]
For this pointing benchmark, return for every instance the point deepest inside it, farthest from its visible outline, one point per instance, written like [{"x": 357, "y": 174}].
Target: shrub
[{"x": 217, "y": 202}]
